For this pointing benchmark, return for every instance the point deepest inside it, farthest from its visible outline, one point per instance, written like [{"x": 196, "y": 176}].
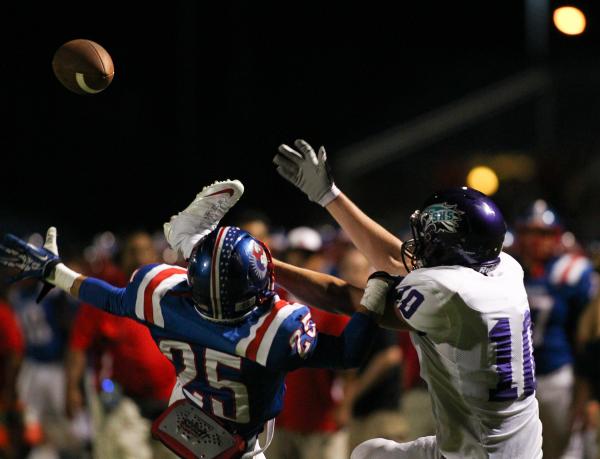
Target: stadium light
[
  {"x": 484, "y": 179},
  {"x": 569, "y": 20}
]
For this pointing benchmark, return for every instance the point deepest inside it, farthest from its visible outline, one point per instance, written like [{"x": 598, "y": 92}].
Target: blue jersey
[
  {"x": 234, "y": 371},
  {"x": 557, "y": 297},
  {"x": 45, "y": 325}
]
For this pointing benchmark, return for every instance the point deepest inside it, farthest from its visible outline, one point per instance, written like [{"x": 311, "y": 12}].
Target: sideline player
[
  {"x": 560, "y": 283},
  {"x": 463, "y": 300},
  {"x": 229, "y": 336}
]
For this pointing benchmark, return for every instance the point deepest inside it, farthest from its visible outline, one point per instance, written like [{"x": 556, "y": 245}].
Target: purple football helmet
[
  {"x": 458, "y": 226},
  {"x": 231, "y": 273}
]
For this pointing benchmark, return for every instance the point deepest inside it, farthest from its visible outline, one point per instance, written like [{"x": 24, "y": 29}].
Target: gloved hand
[
  {"x": 41, "y": 263},
  {"x": 307, "y": 170},
  {"x": 32, "y": 262},
  {"x": 202, "y": 216}
]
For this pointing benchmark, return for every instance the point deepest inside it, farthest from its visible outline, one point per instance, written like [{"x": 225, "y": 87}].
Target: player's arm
[
  {"x": 310, "y": 173},
  {"x": 318, "y": 289},
  {"x": 382, "y": 248},
  {"x": 45, "y": 265},
  {"x": 332, "y": 294},
  {"x": 350, "y": 348}
]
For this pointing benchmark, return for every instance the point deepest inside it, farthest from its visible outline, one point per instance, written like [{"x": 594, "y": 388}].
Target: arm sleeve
[
  {"x": 419, "y": 300},
  {"x": 345, "y": 351},
  {"x": 139, "y": 300},
  {"x": 106, "y": 297}
]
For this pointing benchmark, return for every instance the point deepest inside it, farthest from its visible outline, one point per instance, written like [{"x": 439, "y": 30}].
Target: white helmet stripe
[{"x": 215, "y": 284}]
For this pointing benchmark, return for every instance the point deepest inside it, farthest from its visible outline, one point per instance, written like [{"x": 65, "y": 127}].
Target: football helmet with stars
[{"x": 231, "y": 273}]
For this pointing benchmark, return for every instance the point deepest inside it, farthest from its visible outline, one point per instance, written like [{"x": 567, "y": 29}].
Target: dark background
[{"x": 208, "y": 92}]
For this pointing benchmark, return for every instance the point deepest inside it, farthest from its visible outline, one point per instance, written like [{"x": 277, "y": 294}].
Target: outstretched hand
[
  {"x": 202, "y": 216},
  {"x": 30, "y": 262},
  {"x": 307, "y": 170}
]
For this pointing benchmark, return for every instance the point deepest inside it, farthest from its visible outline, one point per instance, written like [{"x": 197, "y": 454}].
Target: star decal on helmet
[{"x": 258, "y": 261}]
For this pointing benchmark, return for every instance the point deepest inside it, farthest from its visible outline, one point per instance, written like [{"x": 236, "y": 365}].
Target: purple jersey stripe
[{"x": 500, "y": 334}]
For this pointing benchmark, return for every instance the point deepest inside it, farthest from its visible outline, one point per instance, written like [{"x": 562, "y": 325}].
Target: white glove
[
  {"x": 307, "y": 171},
  {"x": 202, "y": 216},
  {"x": 50, "y": 243},
  {"x": 376, "y": 293},
  {"x": 62, "y": 276}
]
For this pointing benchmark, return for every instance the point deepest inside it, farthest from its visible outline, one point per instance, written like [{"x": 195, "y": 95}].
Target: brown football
[{"x": 83, "y": 66}]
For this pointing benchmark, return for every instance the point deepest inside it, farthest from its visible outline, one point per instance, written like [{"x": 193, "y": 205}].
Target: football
[{"x": 83, "y": 66}]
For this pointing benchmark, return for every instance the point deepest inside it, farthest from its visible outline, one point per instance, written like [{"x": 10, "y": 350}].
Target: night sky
[{"x": 203, "y": 93}]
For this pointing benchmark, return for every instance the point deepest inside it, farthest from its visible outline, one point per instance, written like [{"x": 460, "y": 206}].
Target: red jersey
[
  {"x": 136, "y": 363},
  {"x": 410, "y": 363},
  {"x": 11, "y": 339},
  {"x": 308, "y": 405}
]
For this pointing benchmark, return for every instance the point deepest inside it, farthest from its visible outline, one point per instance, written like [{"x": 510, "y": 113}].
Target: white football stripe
[
  {"x": 576, "y": 271},
  {"x": 139, "y": 301},
  {"x": 216, "y": 294},
  {"x": 242, "y": 345},
  {"x": 265, "y": 345},
  {"x": 158, "y": 294},
  {"x": 560, "y": 267},
  {"x": 83, "y": 85},
  {"x": 571, "y": 266}
]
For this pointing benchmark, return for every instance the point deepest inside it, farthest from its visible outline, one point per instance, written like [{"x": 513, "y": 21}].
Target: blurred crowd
[{"x": 76, "y": 382}]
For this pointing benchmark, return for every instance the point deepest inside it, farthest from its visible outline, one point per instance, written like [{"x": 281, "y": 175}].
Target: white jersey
[{"x": 473, "y": 337}]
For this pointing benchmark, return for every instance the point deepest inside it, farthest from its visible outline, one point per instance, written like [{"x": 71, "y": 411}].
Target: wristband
[
  {"x": 375, "y": 296},
  {"x": 333, "y": 193},
  {"x": 63, "y": 277}
]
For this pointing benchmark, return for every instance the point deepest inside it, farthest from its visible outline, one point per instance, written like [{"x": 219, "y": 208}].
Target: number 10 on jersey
[{"x": 501, "y": 336}]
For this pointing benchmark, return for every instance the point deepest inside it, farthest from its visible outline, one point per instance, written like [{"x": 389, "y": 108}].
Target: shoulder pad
[{"x": 569, "y": 269}]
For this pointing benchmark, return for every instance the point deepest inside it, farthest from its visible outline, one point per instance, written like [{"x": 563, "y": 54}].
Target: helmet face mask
[
  {"x": 231, "y": 274},
  {"x": 412, "y": 250},
  {"x": 458, "y": 226},
  {"x": 539, "y": 232}
]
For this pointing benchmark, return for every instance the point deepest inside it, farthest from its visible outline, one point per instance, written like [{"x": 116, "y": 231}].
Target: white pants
[
  {"x": 554, "y": 393},
  {"x": 380, "y": 448},
  {"x": 41, "y": 387}
]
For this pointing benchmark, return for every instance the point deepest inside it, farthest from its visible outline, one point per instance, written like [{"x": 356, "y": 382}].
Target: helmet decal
[
  {"x": 258, "y": 260},
  {"x": 457, "y": 226},
  {"x": 442, "y": 217}
]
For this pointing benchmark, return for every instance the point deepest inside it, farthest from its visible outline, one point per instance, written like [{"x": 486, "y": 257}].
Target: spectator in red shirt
[
  {"x": 371, "y": 405},
  {"x": 307, "y": 427},
  {"x": 127, "y": 362},
  {"x": 11, "y": 354},
  {"x": 416, "y": 401}
]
